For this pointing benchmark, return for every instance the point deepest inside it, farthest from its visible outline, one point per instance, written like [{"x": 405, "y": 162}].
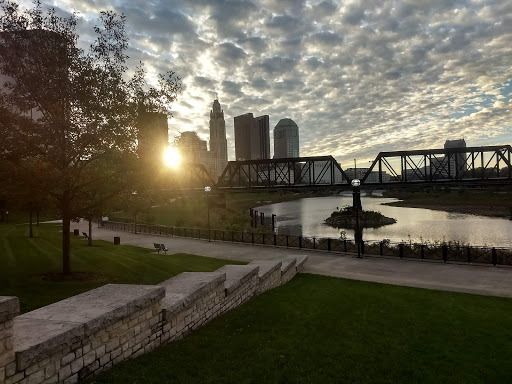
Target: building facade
[
  {"x": 457, "y": 161},
  {"x": 218, "y": 141},
  {"x": 450, "y": 166},
  {"x": 152, "y": 136},
  {"x": 373, "y": 177},
  {"x": 252, "y": 137},
  {"x": 195, "y": 150},
  {"x": 286, "y": 139}
]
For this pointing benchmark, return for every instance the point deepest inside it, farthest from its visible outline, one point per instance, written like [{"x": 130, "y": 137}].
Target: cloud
[{"x": 357, "y": 77}]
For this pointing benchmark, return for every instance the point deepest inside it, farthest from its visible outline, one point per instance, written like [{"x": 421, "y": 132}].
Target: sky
[{"x": 358, "y": 77}]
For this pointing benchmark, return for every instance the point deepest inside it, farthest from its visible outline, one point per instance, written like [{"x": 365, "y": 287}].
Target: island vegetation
[{"x": 346, "y": 218}]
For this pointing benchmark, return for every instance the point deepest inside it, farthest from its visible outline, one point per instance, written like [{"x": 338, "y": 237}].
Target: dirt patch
[{"x": 75, "y": 276}]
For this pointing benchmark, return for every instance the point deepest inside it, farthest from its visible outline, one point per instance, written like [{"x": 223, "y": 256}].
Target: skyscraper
[
  {"x": 252, "y": 138},
  {"x": 218, "y": 141},
  {"x": 194, "y": 150},
  {"x": 286, "y": 139},
  {"x": 260, "y": 139},
  {"x": 243, "y": 129}
]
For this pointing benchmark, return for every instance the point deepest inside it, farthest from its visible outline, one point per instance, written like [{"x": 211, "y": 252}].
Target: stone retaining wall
[{"x": 86, "y": 334}]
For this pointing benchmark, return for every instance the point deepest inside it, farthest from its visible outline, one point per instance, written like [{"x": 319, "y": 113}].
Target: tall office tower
[
  {"x": 218, "y": 142},
  {"x": 252, "y": 139},
  {"x": 286, "y": 139},
  {"x": 260, "y": 139},
  {"x": 457, "y": 161},
  {"x": 153, "y": 136},
  {"x": 243, "y": 129}
]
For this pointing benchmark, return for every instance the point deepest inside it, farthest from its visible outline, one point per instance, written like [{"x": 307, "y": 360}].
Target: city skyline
[
  {"x": 196, "y": 150},
  {"x": 393, "y": 75}
]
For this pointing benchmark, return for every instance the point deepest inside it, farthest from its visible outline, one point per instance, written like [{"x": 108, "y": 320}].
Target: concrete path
[{"x": 478, "y": 279}]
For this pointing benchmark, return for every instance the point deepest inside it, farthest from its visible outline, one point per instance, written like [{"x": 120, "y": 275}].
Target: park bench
[{"x": 160, "y": 247}]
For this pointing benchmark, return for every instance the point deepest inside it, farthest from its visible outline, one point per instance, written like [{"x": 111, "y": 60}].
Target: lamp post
[
  {"x": 356, "y": 204},
  {"x": 207, "y": 189}
]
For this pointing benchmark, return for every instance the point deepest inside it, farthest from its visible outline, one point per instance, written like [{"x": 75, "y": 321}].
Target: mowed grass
[
  {"x": 24, "y": 261},
  {"x": 319, "y": 329}
]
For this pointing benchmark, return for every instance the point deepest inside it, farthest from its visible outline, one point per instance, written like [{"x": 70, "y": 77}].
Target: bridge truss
[
  {"x": 190, "y": 176},
  {"x": 320, "y": 171},
  {"x": 477, "y": 165}
]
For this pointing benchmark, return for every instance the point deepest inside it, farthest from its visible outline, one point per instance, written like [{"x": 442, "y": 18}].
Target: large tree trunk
[
  {"x": 89, "y": 241},
  {"x": 30, "y": 221},
  {"x": 66, "y": 242}
]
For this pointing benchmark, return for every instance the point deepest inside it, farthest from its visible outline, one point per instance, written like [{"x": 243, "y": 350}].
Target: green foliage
[
  {"x": 318, "y": 329},
  {"x": 346, "y": 218}
]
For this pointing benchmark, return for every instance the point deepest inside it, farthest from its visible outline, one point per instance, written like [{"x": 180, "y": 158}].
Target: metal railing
[{"x": 385, "y": 248}]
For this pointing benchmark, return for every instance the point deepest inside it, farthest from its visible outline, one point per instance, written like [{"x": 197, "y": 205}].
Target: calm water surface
[{"x": 306, "y": 216}]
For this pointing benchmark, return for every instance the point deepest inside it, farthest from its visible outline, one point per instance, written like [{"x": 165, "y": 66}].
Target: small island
[{"x": 346, "y": 218}]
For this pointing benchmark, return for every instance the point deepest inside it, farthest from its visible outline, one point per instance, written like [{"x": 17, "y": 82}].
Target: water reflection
[{"x": 306, "y": 216}]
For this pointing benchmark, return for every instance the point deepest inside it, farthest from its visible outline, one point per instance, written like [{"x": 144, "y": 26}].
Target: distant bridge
[{"x": 470, "y": 166}]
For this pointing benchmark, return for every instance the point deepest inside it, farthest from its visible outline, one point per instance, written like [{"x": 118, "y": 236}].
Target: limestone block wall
[
  {"x": 9, "y": 308},
  {"x": 192, "y": 300},
  {"x": 86, "y": 334},
  {"x": 241, "y": 284},
  {"x": 269, "y": 274}
]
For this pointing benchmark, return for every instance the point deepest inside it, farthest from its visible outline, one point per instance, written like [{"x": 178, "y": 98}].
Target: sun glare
[{"x": 172, "y": 157}]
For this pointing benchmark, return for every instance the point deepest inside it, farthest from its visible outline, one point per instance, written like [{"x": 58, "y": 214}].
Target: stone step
[
  {"x": 300, "y": 261},
  {"x": 186, "y": 288},
  {"x": 288, "y": 264},
  {"x": 266, "y": 267},
  {"x": 236, "y": 275}
]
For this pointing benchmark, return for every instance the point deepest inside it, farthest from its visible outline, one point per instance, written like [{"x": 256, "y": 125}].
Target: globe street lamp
[
  {"x": 207, "y": 189},
  {"x": 356, "y": 204}
]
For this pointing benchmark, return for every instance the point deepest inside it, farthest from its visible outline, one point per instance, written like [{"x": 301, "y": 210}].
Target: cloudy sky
[{"x": 358, "y": 77}]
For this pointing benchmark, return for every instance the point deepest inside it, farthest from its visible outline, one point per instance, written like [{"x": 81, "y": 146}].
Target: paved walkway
[{"x": 484, "y": 280}]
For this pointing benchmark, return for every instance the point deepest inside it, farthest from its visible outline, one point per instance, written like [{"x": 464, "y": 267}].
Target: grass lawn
[
  {"x": 326, "y": 330},
  {"x": 24, "y": 261}
]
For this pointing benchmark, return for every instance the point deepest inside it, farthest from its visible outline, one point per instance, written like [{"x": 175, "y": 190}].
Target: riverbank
[
  {"x": 502, "y": 212},
  {"x": 490, "y": 204},
  {"x": 228, "y": 212},
  {"x": 246, "y": 201}
]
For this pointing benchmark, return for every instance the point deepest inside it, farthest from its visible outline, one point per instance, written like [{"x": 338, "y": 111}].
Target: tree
[
  {"x": 28, "y": 184},
  {"x": 75, "y": 112}
]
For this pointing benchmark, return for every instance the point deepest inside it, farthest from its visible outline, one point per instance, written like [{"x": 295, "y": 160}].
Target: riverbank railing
[{"x": 440, "y": 252}]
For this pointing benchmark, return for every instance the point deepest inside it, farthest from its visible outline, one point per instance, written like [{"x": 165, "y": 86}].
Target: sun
[{"x": 172, "y": 157}]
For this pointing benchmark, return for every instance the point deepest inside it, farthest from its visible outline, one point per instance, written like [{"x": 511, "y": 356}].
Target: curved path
[{"x": 478, "y": 279}]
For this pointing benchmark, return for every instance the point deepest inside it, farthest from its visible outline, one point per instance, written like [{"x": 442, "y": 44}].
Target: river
[{"x": 306, "y": 217}]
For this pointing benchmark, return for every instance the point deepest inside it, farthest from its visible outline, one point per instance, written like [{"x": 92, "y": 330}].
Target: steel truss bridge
[{"x": 470, "y": 166}]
